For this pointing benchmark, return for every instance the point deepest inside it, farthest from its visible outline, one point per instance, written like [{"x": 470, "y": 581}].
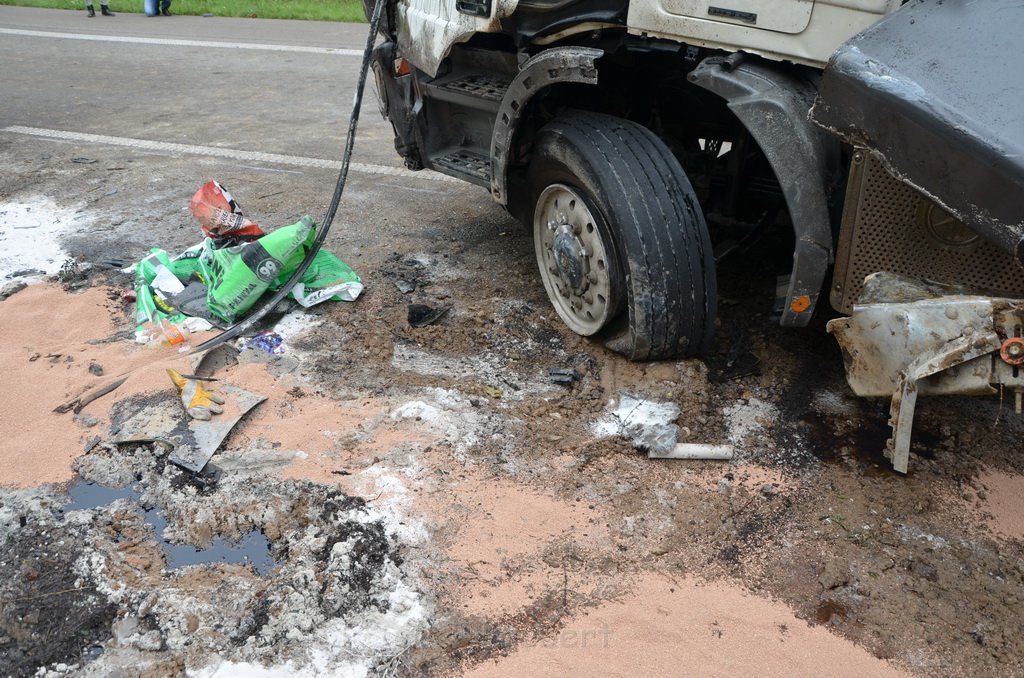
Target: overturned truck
[{"x": 641, "y": 139}]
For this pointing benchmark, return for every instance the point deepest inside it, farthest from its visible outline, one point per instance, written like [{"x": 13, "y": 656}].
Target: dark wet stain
[
  {"x": 252, "y": 548},
  {"x": 828, "y": 609}
]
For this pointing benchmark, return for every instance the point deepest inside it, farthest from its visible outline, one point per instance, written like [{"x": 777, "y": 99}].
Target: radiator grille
[{"x": 889, "y": 226}]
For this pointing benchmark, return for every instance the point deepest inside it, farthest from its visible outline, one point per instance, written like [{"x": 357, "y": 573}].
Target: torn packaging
[{"x": 219, "y": 214}]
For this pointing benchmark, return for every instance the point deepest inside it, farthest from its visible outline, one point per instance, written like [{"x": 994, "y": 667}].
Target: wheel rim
[{"x": 574, "y": 261}]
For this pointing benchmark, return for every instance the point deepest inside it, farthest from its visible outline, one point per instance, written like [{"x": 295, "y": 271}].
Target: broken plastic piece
[
  {"x": 694, "y": 451},
  {"x": 421, "y": 315},
  {"x": 561, "y": 375}
]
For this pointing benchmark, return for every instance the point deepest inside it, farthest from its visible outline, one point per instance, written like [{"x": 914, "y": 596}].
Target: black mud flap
[{"x": 936, "y": 91}]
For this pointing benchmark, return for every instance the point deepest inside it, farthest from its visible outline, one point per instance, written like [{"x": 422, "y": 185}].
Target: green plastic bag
[
  {"x": 327, "y": 277},
  {"x": 237, "y": 276}
]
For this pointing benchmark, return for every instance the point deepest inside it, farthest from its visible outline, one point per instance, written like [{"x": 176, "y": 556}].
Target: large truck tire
[{"x": 621, "y": 241}]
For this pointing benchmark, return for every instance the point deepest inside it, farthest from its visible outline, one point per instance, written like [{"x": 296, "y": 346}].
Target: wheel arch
[
  {"x": 543, "y": 71},
  {"x": 773, "y": 105}
]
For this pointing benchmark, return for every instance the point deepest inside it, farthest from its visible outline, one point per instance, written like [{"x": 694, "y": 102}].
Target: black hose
[{"x": 325, "y": 226}]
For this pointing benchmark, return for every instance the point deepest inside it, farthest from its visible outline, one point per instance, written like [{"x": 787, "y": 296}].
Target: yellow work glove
[{"x": 197, "y": 401}]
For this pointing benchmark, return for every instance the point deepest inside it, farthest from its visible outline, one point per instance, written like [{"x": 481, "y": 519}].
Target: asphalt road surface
[{"x": 121, "y": 119}]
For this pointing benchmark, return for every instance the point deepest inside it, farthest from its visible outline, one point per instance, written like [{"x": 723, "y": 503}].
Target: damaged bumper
[
  {"x": 907, "y": 338},
  {"x": 936, "y": 92}
]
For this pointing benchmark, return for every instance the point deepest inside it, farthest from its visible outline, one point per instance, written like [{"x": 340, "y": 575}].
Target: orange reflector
[
  {"x": 402, "y": 67},
  {"x": 800, "y": 304}
]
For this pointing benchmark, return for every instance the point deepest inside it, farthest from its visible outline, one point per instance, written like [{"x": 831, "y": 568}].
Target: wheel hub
[
  {"x": 570, "y": 259},
  {"x": 573, "y": 259}
]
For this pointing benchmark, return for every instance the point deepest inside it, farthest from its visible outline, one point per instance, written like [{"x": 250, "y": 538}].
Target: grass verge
[{"x": 310, "y": 10}]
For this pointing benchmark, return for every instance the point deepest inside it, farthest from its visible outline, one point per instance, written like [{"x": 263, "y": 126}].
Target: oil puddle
[{"x": 252, "y": 549}]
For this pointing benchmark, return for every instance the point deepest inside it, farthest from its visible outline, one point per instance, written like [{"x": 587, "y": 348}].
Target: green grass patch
[{"x": 310, "y": 10}]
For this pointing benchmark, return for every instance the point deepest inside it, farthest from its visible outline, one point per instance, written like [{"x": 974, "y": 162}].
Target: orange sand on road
[
  {"x": 1005, "y": 502},
  {"x": 688, "y": 629},
  {"x": 44, "y": 360}
]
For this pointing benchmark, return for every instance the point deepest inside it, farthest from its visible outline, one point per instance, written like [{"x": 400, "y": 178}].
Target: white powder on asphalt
[
  {"x": 449, "y": 415},
  {"x": 747, "y": 418},
  {"x": 296, "y": 323},
  {"x": 30, "y": 235}
]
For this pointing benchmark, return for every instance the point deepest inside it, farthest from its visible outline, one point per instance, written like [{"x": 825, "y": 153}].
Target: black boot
[
  {"x": 90, "y": 12},
  {"x": 105, "y": 11},
  {"x": 165, "y": 11}
]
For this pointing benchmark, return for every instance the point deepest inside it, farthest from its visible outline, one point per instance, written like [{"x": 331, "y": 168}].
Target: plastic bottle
[{"x": 164, "y": 333}]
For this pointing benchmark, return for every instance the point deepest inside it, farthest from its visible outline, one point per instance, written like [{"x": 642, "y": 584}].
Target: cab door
[{"x": 782, "y": 16}]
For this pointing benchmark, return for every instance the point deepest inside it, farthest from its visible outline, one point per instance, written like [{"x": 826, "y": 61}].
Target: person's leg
[
  {"x": 104, "y": 9},
  {"x": 89, "y": 11},
  {"x": 165, "y": 7}
]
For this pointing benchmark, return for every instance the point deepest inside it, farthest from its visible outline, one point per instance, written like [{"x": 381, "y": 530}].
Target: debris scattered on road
[
  {"x": 562, "y": 375},
  {"x": 421, "y": 315},
  {"x": 190, "y": 445},
  {"x": 406, "y": 273},
  {"x": 694, "y": 451},
  {"x": 220, "y": 279},
  {"x": 219, "y": 215},
  {"x": 81, "y": 401},
  {"x": 208, "y": 435},
  {"x": 648, "y": 425},
  {"x": 269, "y": 342}
]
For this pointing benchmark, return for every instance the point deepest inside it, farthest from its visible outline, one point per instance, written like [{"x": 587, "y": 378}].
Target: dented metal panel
[
  {"x": 936, "y": 92},
  {"x": 427, "y": 29},
  {"x": 908, "y": 338}
]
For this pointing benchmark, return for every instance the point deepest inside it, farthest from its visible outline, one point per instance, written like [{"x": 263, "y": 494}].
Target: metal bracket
[
  {"x": 773, "y": 107},
  {"x": 560, "y": 64},
  {"x": 908, "y": 338},
  {"x": 904, "y": 399}
]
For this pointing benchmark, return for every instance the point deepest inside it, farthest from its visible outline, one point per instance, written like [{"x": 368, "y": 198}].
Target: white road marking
[
  {"x": 228, "y": 153},
  {"x": 185, "y": 43}
]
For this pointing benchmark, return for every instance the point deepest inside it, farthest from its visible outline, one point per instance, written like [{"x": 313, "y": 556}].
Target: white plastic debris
[{"x": 694, "y": 451}]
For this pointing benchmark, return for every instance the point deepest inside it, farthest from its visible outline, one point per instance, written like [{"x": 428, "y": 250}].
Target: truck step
[
  {"x": 473, "y": 90},
  {"x": 464, "y": 163}
]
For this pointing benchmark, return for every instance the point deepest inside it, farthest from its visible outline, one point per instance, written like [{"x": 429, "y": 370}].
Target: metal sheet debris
[
  {"x": 192, "y": 443},
  {"x": 926, "y": 343}
]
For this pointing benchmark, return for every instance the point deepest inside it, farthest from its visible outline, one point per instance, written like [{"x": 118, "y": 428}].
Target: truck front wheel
[{"x": 621, "y": 242}]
